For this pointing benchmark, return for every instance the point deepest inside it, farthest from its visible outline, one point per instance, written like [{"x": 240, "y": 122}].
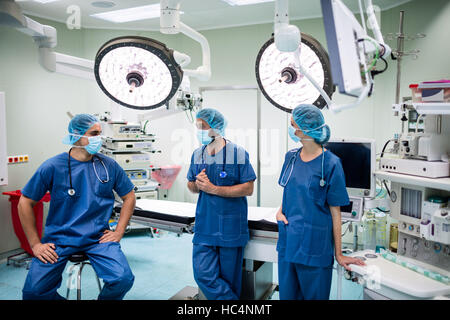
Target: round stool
[{"x": 80, "y": 259}]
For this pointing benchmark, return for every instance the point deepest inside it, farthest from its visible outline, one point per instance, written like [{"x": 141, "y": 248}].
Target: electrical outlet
[{"x": 18, "y": 159}]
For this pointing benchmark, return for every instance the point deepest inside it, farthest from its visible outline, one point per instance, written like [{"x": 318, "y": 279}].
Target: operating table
[{"x": 259, "y": 254}]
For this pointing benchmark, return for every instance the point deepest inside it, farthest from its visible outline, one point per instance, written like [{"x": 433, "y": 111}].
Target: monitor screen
[
  {"x": 347, "y": 208},
  {"x": 356, "y": 162}
]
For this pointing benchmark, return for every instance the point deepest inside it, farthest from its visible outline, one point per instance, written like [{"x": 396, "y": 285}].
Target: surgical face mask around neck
[{"x": 94, "y": 146}]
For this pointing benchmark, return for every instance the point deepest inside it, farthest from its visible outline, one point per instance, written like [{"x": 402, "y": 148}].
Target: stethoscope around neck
[
  {"x": 71, "y": 190},
  {"x": 290, "y": 167},
  {"x": 223, "y": 174}
]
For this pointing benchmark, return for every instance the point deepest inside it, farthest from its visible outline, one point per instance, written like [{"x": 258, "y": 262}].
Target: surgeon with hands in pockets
[
  {"x": 81, "y": 184},
  {"x": 221, "y": 173},
  {"x": 309, "y": 219}
]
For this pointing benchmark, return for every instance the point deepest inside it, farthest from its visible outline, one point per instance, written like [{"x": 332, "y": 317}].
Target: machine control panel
[
  {"x": 410, "y": 228},
  {"x": 353, "y": 212},
  {"x": 433, "y": 253}
]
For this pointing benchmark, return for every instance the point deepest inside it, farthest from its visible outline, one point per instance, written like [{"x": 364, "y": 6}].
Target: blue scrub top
[
  {"x": 221, "y": 221},
  {"x": 308, "y": 237},
  {"x": 80, "y": 219}
]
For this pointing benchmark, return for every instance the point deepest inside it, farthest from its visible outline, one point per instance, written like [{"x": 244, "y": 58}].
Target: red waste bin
[
  {"x": 166, "y": 175},
  {"x": 14, "y": 197}
]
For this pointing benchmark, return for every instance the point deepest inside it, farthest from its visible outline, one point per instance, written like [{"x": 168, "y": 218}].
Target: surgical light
[
  {"x": 280, "y": 80},
  {"x": 137, "y": 72}
]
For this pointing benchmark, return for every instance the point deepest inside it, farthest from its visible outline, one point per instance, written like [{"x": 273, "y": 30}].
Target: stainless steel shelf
[
  {"x": 432, "y": 107},
  {"x": 439, "y": 183}
]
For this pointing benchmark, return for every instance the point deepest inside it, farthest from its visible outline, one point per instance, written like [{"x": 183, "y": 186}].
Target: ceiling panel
[{"x": 199, "y": 14}]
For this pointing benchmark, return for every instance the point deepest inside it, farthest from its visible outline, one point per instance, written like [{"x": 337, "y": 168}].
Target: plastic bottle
[
  {"x": 380, "y": 225},
  {"x": 369, "y": 230}
]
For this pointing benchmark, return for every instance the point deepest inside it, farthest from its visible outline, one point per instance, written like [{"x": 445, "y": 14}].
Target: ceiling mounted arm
[
  {"x": 170, "y": 24},
  {"x": 385, "y": 49},
  {"x": 45, "y": 38},
  {"x": 287, "y": 36}
]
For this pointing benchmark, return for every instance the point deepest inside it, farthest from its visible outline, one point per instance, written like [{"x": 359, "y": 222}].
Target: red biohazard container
[
  {"x": 166, "y": 176},
  {"x": 14, "y": 197}
]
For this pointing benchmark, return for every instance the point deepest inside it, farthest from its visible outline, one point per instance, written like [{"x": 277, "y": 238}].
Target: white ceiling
[{"x": 198, "y": 14}]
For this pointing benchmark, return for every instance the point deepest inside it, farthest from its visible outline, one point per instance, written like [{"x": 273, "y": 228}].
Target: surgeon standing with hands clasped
[
  {"x": 309, "y": 220},
  {"x": 221, "y": 173},
  {"x": 81, "y": 184}
]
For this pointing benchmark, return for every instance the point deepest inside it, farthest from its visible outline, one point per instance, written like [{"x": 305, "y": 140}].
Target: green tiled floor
[{"x": 162, "y": 266}]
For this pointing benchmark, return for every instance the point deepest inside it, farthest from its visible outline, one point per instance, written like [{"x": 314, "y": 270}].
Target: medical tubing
[
  {"x": 322, "y": 181},
  {"x": 377, "y": 53},
  {"x": 70, "y": 172},
  {"x": 145, "y": 126},
  {"x": 387, "y": 189},
  {"x": 283, "y": 181},
  {"x": 382, "y": 210},
  {"x": 191, "y": 118},
  {"x": 348, "y": 226},
  {"x": 384, "y": 147},
  {"x": 417, "y": 121},
  {"x": 95, "y": 170},
  {"x": 375, "y": 72},
  {"x": 224, "y": 158},
  {"x": 381, "y": 190}
]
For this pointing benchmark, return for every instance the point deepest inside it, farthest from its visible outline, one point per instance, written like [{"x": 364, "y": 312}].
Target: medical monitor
[
  {"x": 358, "y": 157},
  {"x": 345, "y": 48}
]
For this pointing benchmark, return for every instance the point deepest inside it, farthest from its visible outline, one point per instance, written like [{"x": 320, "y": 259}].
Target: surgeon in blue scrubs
[
  {"x": 309, "y": 219},
  {"x": 81, "y": 184},
  {"x": 221, "y": 173}
]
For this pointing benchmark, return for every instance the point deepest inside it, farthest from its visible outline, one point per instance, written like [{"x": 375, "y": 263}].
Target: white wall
[{"x": 36, "y": 103}]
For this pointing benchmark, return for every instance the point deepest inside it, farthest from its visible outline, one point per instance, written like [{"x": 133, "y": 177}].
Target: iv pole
[{"x": 398, "y": 54}]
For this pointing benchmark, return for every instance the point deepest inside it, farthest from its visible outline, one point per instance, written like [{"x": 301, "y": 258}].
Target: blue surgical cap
[
  {"x": 310, "y": 120},
  {"x": 79, "y": 125},
  {"x": 214, "y": 118}
]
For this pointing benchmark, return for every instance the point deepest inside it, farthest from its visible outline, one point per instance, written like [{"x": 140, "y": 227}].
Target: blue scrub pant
[
  {"x": 218, "y": 271},
  {"x": 107, "y": 259},
  {"x": 300, "y": 282}
]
